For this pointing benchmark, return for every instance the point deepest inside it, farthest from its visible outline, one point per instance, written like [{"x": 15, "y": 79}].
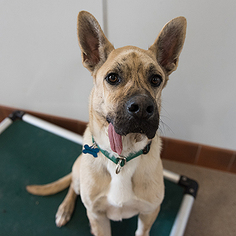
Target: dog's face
[
  {"x": 129, "y": 86},
  {"x": 128, "y": 81}
]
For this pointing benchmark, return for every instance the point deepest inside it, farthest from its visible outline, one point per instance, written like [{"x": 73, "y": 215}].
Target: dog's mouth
[{"x": 115, "y": 135}]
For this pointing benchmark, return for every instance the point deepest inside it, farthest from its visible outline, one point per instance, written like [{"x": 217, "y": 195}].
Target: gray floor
[{"x": 214, "y": 211}]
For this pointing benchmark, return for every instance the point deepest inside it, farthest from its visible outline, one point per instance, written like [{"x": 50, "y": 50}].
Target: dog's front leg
[
  {"x": 99, "y": 223},
  {"x": 145, "y": 222},
  {"x": 66, "y": 208}
]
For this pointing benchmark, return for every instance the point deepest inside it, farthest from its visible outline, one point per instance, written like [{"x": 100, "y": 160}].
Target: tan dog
[{"x": 125, "y": 179}]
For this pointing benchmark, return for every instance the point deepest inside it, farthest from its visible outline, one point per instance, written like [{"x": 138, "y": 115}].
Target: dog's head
[{"x": 128, "y": 81}]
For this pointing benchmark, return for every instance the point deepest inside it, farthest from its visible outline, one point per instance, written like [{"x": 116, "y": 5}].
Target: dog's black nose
[{"x": 141, "y": 107}]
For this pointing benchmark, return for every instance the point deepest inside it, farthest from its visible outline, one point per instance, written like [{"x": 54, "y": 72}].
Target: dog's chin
[
  {"x": 124, "y": 127},
  {"x": 139, "y": 134},
  {"x": 137, "y": 137},
  {"x": 139, "y": 131}
]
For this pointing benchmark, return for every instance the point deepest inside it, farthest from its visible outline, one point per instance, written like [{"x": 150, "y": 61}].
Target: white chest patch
[
  {"x": 121, "y": 200},
  {"x": 120, "y": 190},
  {"x": 120, "y": 197}
]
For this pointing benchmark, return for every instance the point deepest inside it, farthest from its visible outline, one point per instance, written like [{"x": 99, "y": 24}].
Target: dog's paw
[
  {"x": 145, "y": 234},
  {"x": 63, "y": 214},
  {"x": 139, "y": 233}
]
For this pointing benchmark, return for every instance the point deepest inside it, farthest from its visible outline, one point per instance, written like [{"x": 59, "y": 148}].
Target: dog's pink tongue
[{"x": 115, "y": 140}]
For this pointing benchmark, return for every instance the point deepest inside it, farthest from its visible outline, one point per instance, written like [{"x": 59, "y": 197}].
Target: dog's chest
[
  {"x": 120, "y": 190},
  {"x": 121, "y": 200}
]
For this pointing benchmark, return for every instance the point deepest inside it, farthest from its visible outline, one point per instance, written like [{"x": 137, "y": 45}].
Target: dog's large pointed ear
[
  {"x": 94, "y": 45},
  {"x": 169, "y": 44}
]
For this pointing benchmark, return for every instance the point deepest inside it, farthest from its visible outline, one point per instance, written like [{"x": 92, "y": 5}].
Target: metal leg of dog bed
[{"x": 190, "y": 191}]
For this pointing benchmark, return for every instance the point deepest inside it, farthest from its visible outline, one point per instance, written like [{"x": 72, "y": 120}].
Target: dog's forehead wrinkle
[
  {"x": 127, "y": 54},
  {"x": 152, "y": 69},
  {"x": 137, "y": 63}
]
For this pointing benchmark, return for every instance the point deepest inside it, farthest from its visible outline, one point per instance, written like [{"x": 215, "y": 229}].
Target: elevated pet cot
[{"x": 33, "y": 151}]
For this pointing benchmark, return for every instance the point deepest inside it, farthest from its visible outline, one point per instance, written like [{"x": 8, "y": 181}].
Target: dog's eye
[
  {"x": 113, "y": 79},
  {"x": 156, "y": 80}
]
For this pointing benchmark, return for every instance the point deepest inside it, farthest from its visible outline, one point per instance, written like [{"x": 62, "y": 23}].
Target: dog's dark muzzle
[{"x": 137, "y": 115}]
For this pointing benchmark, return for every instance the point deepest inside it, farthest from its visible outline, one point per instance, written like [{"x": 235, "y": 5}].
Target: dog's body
[{"x": 124, "y": 117}]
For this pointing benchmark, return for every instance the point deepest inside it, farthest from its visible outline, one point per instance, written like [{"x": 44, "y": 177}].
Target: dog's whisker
[{"x": 163, "y": 127}]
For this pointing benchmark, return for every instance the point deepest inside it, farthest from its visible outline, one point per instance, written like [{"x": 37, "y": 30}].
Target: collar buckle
[{"x": 121, "y": 162}]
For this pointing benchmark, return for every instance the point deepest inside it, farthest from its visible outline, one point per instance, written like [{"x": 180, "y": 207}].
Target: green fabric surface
[{"x": 29, "y": 155}]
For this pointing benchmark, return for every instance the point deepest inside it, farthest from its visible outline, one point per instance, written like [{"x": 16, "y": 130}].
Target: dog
[{"x": 120, "y": 173}]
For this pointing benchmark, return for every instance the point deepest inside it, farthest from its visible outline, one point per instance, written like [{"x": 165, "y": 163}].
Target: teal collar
[{"x": 121, "y": 161}]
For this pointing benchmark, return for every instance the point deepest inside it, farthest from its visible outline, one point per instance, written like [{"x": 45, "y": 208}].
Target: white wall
[
  {"x": 40, "y": 65},
  {"x": 199, "y": 103}
]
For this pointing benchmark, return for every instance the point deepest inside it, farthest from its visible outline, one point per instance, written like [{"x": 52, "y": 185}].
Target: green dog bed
[{"x": 33, "y": 151}]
